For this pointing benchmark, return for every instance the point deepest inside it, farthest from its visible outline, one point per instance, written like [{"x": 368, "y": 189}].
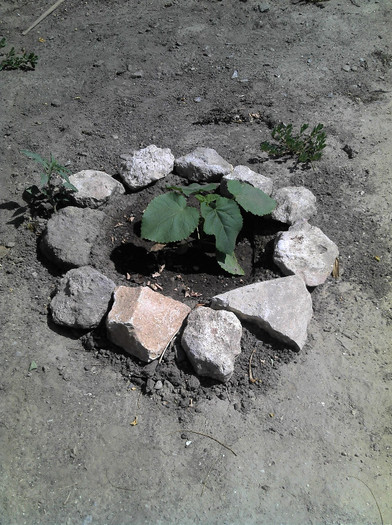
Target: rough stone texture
[
  {"x": 281, "y": 307},
  {"x": 293, "y": 204},
  {"x": 202, "y": 165},
  {"x": 245, "y": 174},
  {"x": 143, "y": 322},
  {"x": 94, "y": 188},
  {"x": 82, "y": 298},
  {"x": 212, "y": 340},
  {"x": 146, "y": 166},
  {"x": 306, "y": 251},
  {"x": 69, "y": 236}
]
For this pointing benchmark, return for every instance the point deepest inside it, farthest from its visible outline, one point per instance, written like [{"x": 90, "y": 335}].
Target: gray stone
[
  {"x": 212, "y": 340},
  {"x": 82, "y": 298},
  {"x": 282, "y": 307},
  {"x": 306, "y": 251},
  {"x": 245, "y": 174},
  {"x": 69, "y": 236},
  {"x": 94, "y": 188},
  {"x": 143, "y": 322},
  {"x": 146, "y": 166},
  {"x": 293, "y": 204},
  {"x": 202, "y": 165}
]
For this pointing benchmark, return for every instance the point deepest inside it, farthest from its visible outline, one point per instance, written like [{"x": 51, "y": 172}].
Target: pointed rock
[
  {"x": 82, "y": 298},
  {"x": 143, "y": 322},
  {"x": 293, "y": 204},
  {"x": 282, "y": 307},
  {"x": 202, "y": 165},
  {"x": 212, "y": 340},
  {"x": 306, "y": 251},
  {"x": 146, "y": 166},
  {"x": 94, "y": 188}
]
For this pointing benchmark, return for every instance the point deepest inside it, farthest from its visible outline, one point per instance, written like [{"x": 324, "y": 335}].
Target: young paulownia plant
[{"x": 169, "y": 218}]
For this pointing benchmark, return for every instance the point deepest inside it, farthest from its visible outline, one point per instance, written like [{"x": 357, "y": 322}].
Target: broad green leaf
[
  {"x": 168, "y": 219},
  {"x": 222, "y": 219},
  {"x": 228, "y": 261},
  {"x": 251, "y": 199},
  {"x": 194, "y": 188}
]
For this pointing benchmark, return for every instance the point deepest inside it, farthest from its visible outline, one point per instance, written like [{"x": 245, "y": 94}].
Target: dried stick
[
  {"x": 44, "y": 15},
  {"x": 208, "y": 436}
]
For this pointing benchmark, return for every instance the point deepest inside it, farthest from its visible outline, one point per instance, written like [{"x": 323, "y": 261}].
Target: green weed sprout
[
  {"x": 24, "y": 62},
  {"x": 306, "y": 148},
  {"x": 54, "y": 187}
]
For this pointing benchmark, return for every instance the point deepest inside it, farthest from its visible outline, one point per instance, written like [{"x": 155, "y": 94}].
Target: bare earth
[{"x": 313, "y": 446}]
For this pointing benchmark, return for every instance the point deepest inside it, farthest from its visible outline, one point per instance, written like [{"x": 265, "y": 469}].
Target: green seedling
[
  {"x": 54, "y": 188},
  {"x": 305, "y": 148},
  {"x": 168, "y": 218},
  {"x": 12, "y": 60}
]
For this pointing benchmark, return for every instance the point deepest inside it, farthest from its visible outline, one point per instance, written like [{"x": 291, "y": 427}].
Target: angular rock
[
  {"x": 82, "y": 298},
  {"x": 212, "y": 340},
  {"x": 94, "y": 188},
  {"x": 306, "y": 251},
  {"x": 293, "y": 204},
  {"x": 143, "y": 322},
  {"x": 202, "y": 165},
  {"x": 69, "y": 236},
  {"x": 245, "y": 174},
  {"x": 146, "y": 166},
  {"x": 282, "y": 307}
]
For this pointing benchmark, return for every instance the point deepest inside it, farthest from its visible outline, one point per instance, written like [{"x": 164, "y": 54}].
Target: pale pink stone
[{"x": 143, "y": 322}]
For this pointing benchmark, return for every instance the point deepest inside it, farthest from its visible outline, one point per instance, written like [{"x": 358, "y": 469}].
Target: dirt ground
[{"x": 311, "y": 444}]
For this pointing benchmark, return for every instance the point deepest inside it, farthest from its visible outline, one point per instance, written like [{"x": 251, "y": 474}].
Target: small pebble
[
  {"x": 346, "y": 68},
  {"x": 197, "y": 99},
  {"x": 158, "y": 385},
  {"x": 354, "y": 68},
  {"x": 235, "y": 74}
]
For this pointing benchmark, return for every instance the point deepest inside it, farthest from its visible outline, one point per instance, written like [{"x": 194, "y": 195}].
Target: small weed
[
  {"x": 306, "y": 148},
  {"x": 53, "y": 191},
  {"x": 168, "y": 218},
  {"x": 12, "y": 60}
]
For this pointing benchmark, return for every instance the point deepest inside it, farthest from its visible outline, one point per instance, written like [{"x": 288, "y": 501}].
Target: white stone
[
  {"x": 245, "y": 174},
  {"x": 143, "y": 322},
  {"x": 146, "y": 166},
  {"x": 293, "y": 204},
  {"x": 82, "y": 298},
  {"x": 212, "y": 340},
  {"x": 282, "y": 307},
  {"x": 202, "y": 165},
  {"x": 94, "y": 188},
  {"x": 306, "y": 251}
]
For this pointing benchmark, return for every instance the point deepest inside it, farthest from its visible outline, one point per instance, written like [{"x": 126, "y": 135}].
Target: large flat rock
[
  {"x": 143, "y": 322},
  {"x": 282, "y": 307}
]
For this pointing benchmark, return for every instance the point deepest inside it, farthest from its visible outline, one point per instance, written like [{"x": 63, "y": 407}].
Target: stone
[
  {"x": 245, "y": 174},
  {"x": 82, "y": 298},
  {"x": 202, "y": 165},
  {"x": 304, "y": 250},
  {"x": 212, "y": 341},
  {"x": 94, "y": 188},
  {"x": 69, "y": 236},
  {"x": 143, "y": 322},
  {"x": 282, "y": 307},
  {"x": 143, "y": 167},
  {"x": 293, "y": 204}
]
